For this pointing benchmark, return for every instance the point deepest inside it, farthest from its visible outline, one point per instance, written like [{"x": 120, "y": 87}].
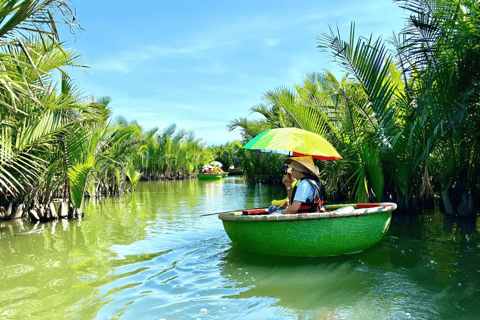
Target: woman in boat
[
  {"x": 283, "y": 203},
  {"x": 307, "y": 195}
]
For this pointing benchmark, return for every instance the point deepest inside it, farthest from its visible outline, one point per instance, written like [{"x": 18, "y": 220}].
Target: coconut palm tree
[
  {"x": 38, "y": 126},
  {"x": 170, "y": 154},
  {"x": 19, "y": 20},
  {"x": 438, "y": 49}
]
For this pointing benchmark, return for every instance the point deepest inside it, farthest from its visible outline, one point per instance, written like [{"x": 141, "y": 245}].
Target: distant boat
[
  {"x": 235, "y": 171},
  {"x": 342, "y": 229},
  {"x": 209, "y": 176}
]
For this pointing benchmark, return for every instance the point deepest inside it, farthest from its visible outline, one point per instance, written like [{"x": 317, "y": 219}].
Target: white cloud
[
  {"x": 193, "y": 50},
  {"x": 223, "y": 42},
  {"x": 127, "y": 60},
  {"x": 112, "y": 65},
  {"x": 217, "y": 67},
  {"x": 272, "y": 42},
  {"x": 146, "y": 114}
]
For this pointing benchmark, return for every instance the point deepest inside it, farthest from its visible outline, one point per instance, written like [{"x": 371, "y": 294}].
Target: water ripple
[
  {"x": 149, "y": 255},
  {"x": 18, "y": 270}
]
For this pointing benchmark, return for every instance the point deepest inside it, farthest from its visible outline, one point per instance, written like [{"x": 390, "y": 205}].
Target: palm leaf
[
  {"x": 369, "y": 61},
  {"x": 77, "y": 176}
]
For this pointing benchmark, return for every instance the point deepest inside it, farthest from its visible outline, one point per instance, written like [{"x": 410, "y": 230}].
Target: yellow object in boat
[{"x": 278, "y": 203}]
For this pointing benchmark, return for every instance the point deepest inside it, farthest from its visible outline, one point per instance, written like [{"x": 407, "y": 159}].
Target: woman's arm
[
  {"x": 293, "y": 208},
  {"x": 287, "y": 181},
  {"x": 285, "y": 204}
]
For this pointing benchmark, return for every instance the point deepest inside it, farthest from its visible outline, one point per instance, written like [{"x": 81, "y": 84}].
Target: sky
[{"x": 202, "y": 64}]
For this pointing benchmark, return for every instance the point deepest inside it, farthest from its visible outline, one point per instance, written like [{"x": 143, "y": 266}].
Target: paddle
[{"x": 241, "y": 210}]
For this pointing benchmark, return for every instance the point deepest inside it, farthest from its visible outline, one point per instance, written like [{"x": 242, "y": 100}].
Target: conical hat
[{"x": 305, "y": 165}]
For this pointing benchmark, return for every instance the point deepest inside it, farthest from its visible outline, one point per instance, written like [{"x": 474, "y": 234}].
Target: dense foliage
[
  {"x": 406, "y": 121},
  {"x": 56, "y": 146}
]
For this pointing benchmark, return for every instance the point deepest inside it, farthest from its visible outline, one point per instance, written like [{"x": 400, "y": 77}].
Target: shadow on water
[
  {"x": 426, "y": 267},
  {"x": 297, "y": 284}
]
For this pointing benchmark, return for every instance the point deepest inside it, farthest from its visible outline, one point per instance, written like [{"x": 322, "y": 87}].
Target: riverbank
[
  {"x": 168, "y": 176},
  {"x": 59, "y": 208}
]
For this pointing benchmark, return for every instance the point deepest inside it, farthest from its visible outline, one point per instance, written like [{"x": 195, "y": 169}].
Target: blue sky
[{"x": 201, "y": 64}]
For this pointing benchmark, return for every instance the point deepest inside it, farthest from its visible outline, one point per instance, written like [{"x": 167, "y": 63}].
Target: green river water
[{"x": 149, "y": 255}]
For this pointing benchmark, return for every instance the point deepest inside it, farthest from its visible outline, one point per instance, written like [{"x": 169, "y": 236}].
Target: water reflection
[
  {"x": 429, "y": 274},
  {"x": 349, "y": 287},
  {"x": 213, "y": 188},
  {"x": 298, "y": 284},
  {"x": 149, "y": 255}
]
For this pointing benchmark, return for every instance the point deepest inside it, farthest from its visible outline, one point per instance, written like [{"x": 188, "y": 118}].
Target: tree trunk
[
  {"x": 33, "y": 215},
  {"x": 41, "y": 211},
  {"x": 9, "y": 210},
  {"x": 466, "y": 207},
  {"x": 63, "y": 210},
  {"x": 412, "y": 204},
  {"x": 18, "y": 212},
  {"x": 52, "y": 211},
  {"x": 447, "y": 203},
  {"x": 400, "y": 201}
]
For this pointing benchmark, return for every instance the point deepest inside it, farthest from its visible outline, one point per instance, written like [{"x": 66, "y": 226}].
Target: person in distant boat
[
  {"x": 307, "y": 195},
  {"x": 216, "y": 169},
  {"x": 207, "y": 170}
]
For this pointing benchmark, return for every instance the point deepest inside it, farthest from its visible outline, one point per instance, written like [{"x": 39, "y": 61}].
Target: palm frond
[{"x": 369, "y": 61}]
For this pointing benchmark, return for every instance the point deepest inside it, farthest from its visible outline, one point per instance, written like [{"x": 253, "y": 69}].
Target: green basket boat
[
  {"x": 342, "y": 229},
  {"x": 209, "y": 176}
]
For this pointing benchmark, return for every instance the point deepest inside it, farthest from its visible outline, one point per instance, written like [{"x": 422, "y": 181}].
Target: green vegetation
[
  {"x": 170, "y": 155},
  {"x": 57, "y": 146},
  {"x": 405, "y": 121},
  {"x": 230, "y": 154}
]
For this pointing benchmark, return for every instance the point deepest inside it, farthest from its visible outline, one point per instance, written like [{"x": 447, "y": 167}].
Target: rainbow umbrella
[
  {"x": 216, "y": 163},
  {"x": 293, "y": 142}
]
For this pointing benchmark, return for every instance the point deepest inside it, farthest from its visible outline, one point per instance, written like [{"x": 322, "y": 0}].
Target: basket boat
[
  {"x": 235, "y": 172},
  {"x": 209, "y": 176},
  {"x": 342, "y": 229}
]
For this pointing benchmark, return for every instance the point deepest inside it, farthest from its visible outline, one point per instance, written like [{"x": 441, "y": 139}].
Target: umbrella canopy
[
  {"x": 216, "y": 163},
  {"x": 293, "y": 142}
]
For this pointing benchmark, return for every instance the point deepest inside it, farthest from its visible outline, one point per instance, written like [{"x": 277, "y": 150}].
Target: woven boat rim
[{"x": 382, "y": 207}]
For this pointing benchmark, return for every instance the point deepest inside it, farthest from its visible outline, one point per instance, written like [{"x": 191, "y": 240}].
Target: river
[{"x": 149, "y": 255}]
